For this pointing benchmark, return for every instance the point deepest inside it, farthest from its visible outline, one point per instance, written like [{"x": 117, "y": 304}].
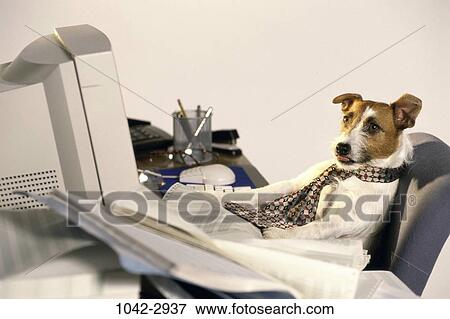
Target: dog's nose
[{"x": 343, "y": 149}]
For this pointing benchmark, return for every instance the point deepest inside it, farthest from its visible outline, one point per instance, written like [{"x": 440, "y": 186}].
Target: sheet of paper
[
  {"x": 32, "y": 238},
  {"x": 345, "y": 252},
  {"x": 311, "y": 278},
  {"x": 222, "y": 225},
  {"x": 382, "y": 285}
]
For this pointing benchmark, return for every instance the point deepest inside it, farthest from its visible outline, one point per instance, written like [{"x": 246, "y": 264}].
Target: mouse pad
[{"x": 242, "y": 179}]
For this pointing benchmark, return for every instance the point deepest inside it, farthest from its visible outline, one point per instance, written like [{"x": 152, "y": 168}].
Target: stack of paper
[{"x": 222, "y": 256}]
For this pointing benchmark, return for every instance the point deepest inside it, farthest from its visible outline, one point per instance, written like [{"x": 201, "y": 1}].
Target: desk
[
  {"x": 157, "y": 287},
  {"x": 153, "y": 161}
]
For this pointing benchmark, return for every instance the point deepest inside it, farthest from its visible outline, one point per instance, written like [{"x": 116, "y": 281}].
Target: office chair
[{"x": 419, "y": 219}]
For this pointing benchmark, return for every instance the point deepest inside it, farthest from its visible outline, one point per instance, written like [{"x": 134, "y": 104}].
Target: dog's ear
[
  {"x": 347, "y": 99},
  {"x": 406, "y": 110}
]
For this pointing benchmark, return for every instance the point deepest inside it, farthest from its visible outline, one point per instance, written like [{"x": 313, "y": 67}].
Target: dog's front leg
[
  {"x": 279, "y": 188},
  {"x": 294, "y": 184},
  {"x": 259, "y": 196}
]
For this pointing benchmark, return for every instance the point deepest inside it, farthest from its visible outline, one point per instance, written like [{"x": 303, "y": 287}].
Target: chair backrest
[{"x": 419, "y": 219}]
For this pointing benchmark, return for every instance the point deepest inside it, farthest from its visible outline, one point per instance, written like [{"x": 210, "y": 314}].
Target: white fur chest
[{"x": 354, "y": 203}]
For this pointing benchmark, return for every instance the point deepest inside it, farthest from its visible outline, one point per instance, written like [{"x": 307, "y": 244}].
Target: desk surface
[{"x": 153, "y": 160}]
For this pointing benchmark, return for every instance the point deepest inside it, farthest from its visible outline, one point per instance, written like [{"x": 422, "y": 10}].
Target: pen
[
  {"x": 183, "y": 112},
  {"x": 188, "y": 149}
]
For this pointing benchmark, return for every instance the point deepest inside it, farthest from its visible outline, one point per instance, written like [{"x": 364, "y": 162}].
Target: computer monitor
[{"x": 62, "y": 120}]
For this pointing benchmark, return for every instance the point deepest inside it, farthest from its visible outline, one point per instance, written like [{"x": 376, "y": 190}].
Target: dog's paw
[{"x": 274, "y": 233}]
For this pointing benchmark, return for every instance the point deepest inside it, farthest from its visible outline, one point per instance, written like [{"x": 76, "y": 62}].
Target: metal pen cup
[{"x": 191, "y": 148}]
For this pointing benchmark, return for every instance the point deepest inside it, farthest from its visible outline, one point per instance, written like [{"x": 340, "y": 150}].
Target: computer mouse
[{"x": 215, "y": 174}]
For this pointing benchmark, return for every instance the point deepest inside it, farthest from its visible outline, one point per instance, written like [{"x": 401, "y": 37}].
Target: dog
[{"x": 371, "y": 133}]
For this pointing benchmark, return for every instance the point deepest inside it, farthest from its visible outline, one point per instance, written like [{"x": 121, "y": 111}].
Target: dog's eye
[
  {"x": 373, "y": 128},
  {"x": 345, "y": 119}
]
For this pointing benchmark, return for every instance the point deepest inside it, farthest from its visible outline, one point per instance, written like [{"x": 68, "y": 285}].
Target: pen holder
[{"x": 184, "y": 129}]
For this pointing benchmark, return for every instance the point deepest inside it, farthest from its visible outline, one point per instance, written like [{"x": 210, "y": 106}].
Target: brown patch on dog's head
[
  {"x": 406, "y": 109},
  {"x": 347, "y": 100},
  {"x": 370, "y": 130}
]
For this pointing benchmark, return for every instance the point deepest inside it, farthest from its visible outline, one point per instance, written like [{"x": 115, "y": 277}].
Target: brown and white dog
[{"x": 371, "y": 133}]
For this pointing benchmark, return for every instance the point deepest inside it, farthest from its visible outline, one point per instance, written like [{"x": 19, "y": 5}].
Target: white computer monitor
[{"x": 62, "y": 119}]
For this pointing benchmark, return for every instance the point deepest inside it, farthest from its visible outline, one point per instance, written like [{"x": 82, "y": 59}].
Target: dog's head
[{"x": 371, "y": 131}]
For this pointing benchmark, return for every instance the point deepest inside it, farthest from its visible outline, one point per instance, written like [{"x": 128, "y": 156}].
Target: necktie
[{"x": 299, "y": 208}]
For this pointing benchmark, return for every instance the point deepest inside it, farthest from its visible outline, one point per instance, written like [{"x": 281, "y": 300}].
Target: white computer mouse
[{"x": 215, "y": 174}]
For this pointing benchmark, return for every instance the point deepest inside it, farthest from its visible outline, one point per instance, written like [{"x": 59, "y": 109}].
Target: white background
[
  {"x": 48, "y": 309},
  {"x": 253, "y": 59}
]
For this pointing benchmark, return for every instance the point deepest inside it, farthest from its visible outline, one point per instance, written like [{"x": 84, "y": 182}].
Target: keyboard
[
  {"x": 216, "y": 188},
  {"x": 145, "y": 136}
]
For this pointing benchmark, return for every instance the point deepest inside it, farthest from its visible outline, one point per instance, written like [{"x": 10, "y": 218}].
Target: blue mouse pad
[{"x": 242, "y": 179}]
